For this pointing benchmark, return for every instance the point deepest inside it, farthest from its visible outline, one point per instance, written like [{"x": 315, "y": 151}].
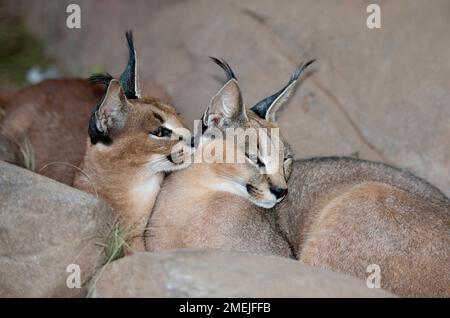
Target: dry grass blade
[
  {"x": 114, "y": 249},
  {"x": 27, "y": 151},
  {"x": 72, "y": 166}
]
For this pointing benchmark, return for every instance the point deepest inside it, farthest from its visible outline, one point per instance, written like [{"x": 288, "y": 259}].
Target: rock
[
  {"x": 195, "y": 273},
  {"x": 9, "y": 151},
  {"x": 44, "y": 227},
  {"x": 380, "y": 94}
]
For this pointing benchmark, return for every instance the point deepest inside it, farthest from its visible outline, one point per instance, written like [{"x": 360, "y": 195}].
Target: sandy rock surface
[
  {"x": 194, "y": 273},
  {"x": 44, "y": 227}
]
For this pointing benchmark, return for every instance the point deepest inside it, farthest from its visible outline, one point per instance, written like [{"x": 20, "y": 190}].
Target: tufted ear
[
  {"x": 110, "y": 115},
  {"x": 226, "y": 106},
  {"x": 268, "y": 107},
  {"x": 129, "y": 80}
]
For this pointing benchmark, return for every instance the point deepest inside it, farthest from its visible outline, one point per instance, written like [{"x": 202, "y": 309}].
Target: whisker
[{"x": 73, "y": 166}]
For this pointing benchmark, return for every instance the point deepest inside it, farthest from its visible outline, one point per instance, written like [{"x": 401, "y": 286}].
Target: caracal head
[
  {"x": 138, "y": 135},
  {"x": 246, "y": 146}
]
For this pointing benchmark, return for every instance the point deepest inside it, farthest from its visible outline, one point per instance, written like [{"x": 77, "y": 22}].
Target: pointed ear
[
  {"x": 225, "y": 107},
  {"x": 268, "y": 107},
  {"x": 110, "y": 115}
]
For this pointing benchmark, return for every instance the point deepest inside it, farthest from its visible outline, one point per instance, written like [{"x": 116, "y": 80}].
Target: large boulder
[
  {"x": 44, "y": 227},
  {"x": 379, "y": 94},
  {"x": 195, "y": 273}
]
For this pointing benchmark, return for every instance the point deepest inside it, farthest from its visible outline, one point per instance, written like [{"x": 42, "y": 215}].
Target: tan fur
[
  {"x": 341, "y": 214},
  {"x": 5, "y": 96},
  {"x": 199, "y": 207},
  {"x": 344, "y": 214},
  {"x": 195, "y": 210},
  {"x": 219, "y": 203},
  {"x": 128, "y": 173},
  {"x": 52, "y": 115}
]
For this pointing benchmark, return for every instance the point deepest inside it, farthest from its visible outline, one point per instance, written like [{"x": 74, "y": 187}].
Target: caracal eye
[{"x": 161, "y": 132}]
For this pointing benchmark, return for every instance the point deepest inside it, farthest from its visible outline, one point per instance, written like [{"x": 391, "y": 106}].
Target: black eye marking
[
  {"x": 251, "y": 189},
  {"x": 158, "y": 116},
  {"x": 258, "y": 162},
  {"x": 162, "y": 132}
]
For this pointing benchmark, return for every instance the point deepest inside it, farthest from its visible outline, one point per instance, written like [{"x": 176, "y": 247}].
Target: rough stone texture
[
  {"x": 194, "y": 273},
  {"x": 44, "y": 227},
  {"x": 380, "y": 94}
]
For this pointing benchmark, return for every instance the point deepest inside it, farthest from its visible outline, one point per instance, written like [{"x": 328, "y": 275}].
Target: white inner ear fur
[
  {"x": 251, "y": 162},
  {"x": 279, "y": 101},
  {"x": 226, "y": 104},
  {"x": 111, "y": 107},
  {"x": 136, "y": 77}
]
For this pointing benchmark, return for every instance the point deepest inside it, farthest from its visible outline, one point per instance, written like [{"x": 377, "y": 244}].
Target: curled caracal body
[{"x": 345, "y": 214}]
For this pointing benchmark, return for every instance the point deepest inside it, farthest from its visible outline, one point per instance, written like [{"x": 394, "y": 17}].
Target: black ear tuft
[
  {"x": 225, "y": 66},
  {"x": 102, "y": 79},
  {"x": 129, "y": 37},
  {"x": 129, "y": 78},
  {"x": 299, "y": 70},
  {"x": 275, "y": 101}
]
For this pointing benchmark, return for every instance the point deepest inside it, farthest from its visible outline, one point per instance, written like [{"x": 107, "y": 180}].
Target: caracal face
[
  {"x": 138, "y": 134},
  {"x": 256, "y": 163},
  {"x": 246, "y": 146}
]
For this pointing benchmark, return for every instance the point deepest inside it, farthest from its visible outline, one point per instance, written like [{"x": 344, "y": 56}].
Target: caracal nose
[{"x": 278, "y": 192}]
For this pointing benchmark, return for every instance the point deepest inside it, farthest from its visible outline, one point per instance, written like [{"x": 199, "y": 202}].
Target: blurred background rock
[{"x": 378, "y": 94}]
